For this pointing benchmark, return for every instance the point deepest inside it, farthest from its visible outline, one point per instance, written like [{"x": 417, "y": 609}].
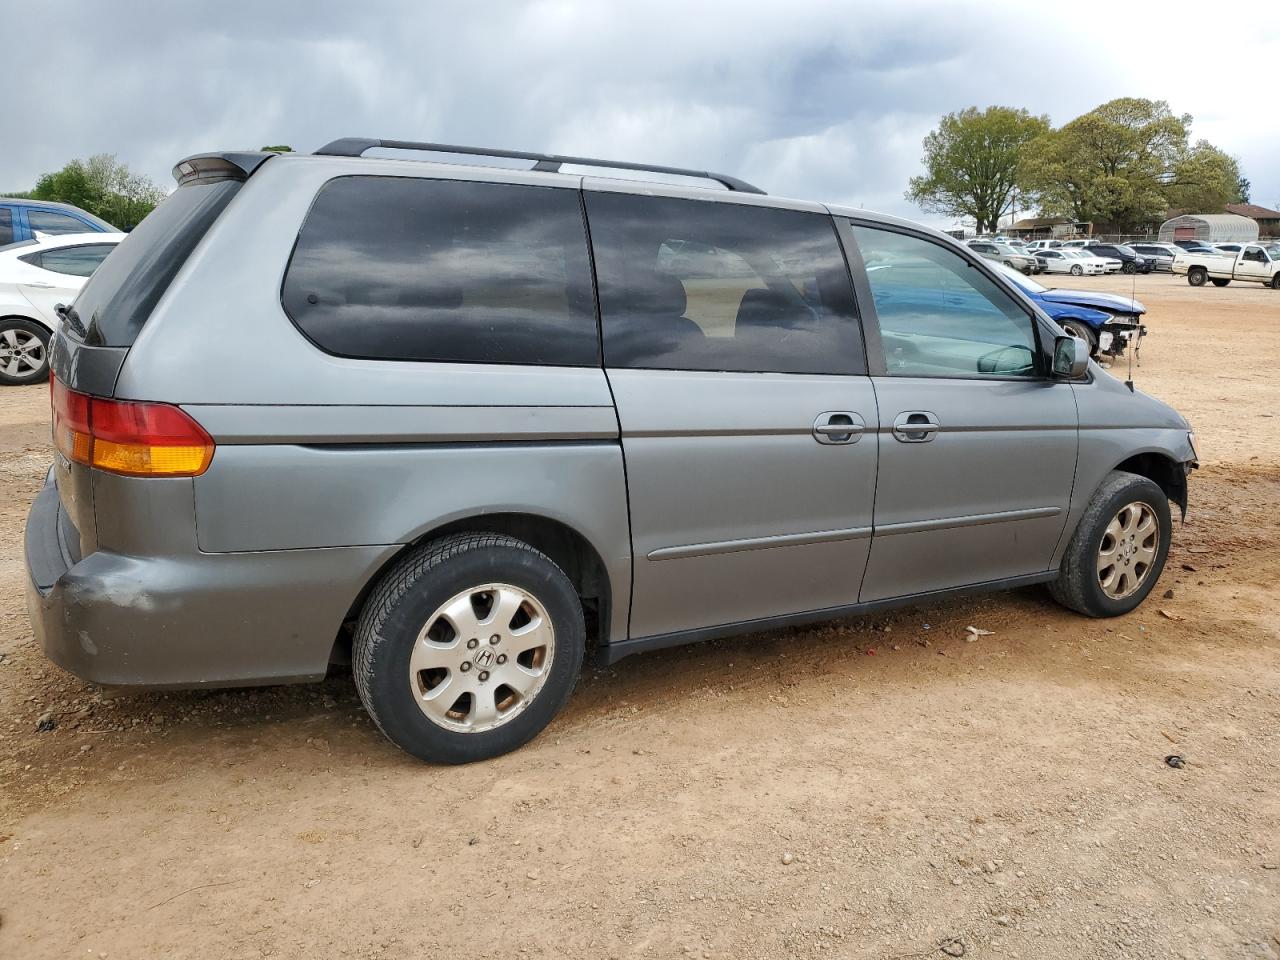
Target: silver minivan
[{"x": 466, "y": 425}]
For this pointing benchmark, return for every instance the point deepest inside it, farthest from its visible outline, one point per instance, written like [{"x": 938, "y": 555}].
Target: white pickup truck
[{"x": 1255, "y": 262}]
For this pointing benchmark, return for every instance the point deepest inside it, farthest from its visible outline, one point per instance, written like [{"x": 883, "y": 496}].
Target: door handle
[
  {"x": 42, "y": 286},
  {"x": 838, "y": 426},
  {"x": 916, "y": 426}
]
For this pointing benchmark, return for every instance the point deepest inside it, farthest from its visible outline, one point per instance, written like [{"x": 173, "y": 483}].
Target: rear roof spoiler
[
  {"x": 543, "y": 162},
  {"x": 208, "y": 167}
]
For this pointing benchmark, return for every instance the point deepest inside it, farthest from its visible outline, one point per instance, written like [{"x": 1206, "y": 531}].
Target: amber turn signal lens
[{"x": 129, "y": 438}]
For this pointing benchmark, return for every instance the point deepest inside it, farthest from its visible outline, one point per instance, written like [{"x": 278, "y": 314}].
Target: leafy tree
[
  {"x": 104, "y": 187},
  {"x": 971, "y": 163},
  {"x": 1112, "y": 166},
  {"x": 71, "y": 185},
  {"x": 1204, "y": 180},
  {"x": 279, "y": 148}
]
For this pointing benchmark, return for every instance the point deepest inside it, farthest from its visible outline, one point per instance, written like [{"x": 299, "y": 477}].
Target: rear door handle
[
  {"x": 916, "y": 426},
  {"x": 838, "y": 426}
]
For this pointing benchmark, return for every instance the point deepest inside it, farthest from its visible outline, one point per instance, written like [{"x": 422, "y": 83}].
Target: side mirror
[{"x": 1070, "y": 358}]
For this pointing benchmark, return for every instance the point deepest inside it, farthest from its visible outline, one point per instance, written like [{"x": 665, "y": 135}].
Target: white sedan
[
  {"x": 1109, "y": 264},
  {"x": 1070, "y": 261},
  {"x": 36, "y": 276}
]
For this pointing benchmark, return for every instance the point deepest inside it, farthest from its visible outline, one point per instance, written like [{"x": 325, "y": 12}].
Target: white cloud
[{"x": 812, "y": 98}]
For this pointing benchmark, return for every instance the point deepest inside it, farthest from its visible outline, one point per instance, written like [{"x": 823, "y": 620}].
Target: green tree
[
  {"x": 1204, "y": 180},
  {"x": 1113, "y": 166},
  {"x": 103, "y": 186},
  {"x": 1243, "y": 189},
  {"x": 971, "y": 163},
  {"x": 278, "y": 148}
]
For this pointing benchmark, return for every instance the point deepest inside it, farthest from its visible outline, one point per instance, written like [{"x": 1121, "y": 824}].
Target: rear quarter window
[{"x": 399, "y": 268}]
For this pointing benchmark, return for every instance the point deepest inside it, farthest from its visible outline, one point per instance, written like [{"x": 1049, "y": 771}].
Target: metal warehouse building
[{"x": 1209, "y": 227}]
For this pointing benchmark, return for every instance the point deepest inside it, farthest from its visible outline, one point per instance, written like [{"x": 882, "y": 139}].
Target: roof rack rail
[{"x": 544, "y": 162}]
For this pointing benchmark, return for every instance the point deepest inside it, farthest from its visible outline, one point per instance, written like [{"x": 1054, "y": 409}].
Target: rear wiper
[{"x": 69, "y": 316}]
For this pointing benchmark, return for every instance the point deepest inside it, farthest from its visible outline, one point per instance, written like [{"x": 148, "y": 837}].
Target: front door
[
  {"x": 977, "y": 445},
  {"x": 1254, "y": 264},
  {"x": 748, "y": 423}
]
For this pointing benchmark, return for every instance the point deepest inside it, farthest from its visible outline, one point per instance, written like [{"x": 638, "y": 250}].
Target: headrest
[
  {"x": 763, "y": 308},
  {"x": 657, "y": 293}
]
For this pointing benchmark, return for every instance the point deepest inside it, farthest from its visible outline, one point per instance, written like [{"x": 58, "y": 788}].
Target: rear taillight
[{"x": 133, "y": 439}]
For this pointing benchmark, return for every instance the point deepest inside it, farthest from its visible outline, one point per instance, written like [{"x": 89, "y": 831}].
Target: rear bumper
[{"x": 192, "y": 620}]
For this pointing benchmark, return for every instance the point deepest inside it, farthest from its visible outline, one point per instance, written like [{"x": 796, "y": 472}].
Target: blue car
[
  {"x": 24, "y": 219},
  {"x": 1105, "y": 321}
]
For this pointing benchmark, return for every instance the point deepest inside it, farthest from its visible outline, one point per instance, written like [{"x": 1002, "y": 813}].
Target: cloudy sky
[{"x": 824, "y": 100}]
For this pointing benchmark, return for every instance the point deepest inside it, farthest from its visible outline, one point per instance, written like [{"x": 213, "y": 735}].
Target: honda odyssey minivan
[{"x": 467, "y": 424}]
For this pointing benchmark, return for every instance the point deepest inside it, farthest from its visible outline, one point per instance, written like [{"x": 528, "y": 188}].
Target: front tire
[
  {"x": 468, "y": 647},
  {"x": 24, "y": 352},
  {"x": 1275, "y": 282},
  {"x": 1081, "y": 331},
  {"x": 1077, "y": 270},
  {"x": 1129, "y": 268},
  {"x": 1119, "y": 548}
]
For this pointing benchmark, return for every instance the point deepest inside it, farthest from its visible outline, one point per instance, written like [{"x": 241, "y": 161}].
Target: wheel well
[
  {"x": 1165, "y": 473},
  {"x": 1081, "y": 320},
  {"x": 567, "y": 548},
  {"x": 18, "y": 316}
]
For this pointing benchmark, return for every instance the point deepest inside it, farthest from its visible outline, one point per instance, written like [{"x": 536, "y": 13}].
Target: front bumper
[{"x": 190, "y": 620}]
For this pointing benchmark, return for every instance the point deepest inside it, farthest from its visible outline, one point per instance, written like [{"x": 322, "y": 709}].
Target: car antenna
[{"x": 1137, "y": 344}]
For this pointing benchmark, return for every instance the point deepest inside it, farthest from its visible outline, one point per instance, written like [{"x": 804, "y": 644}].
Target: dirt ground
[{"x": 879, "y": 788}]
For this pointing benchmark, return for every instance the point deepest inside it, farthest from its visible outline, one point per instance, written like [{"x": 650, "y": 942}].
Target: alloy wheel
[
  {"x": 481, "y": 658},
  {"x": 22, "y": 354},
  {"x": 1128, "y": 550}
]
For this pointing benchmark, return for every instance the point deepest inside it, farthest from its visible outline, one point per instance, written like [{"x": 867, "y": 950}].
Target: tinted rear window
[
  {"x": 397, "y": 268},
  {"x": 692, "y": 285},
  {"x": 117, "y": 301},
  {"x": 6, "y": 226}
]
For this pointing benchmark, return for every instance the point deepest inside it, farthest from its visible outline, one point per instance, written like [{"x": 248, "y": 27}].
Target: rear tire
[
  {"x": 1197, "y": 276},
  {"x": 1217, "y": 282},
  {"x": 1114, "y": 559},
  {"x": 1275, "y": 282},
  {"x": 24, "y": 352},
  {"x": 451, "y": 648}
]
